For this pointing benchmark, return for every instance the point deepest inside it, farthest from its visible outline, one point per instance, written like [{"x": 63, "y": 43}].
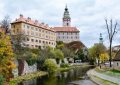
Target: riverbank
[
  {"x": 102, "y": 79},
  {"x": 29, "y": 76},
  {"x": 72, "y": 66},
  {"x": 109, "y": 71}
]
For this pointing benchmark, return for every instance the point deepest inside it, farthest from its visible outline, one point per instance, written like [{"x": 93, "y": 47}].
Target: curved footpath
[{"x": 92, "y": 73}]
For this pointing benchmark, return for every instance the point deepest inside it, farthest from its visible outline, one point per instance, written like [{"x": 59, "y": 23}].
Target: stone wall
[
  {"x": 29, "y": 69},
  {"x": 26, "y": 69}
]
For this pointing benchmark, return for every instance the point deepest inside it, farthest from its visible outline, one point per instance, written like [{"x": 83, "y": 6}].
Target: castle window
[
  {"x": 28, "y": 27},
  {"x": 24, "y": 25},
  {"x": 36, "y": 29},
  {"x": 39, "y": 41},
  {"x": 27, "y": 39},
  {"x": 67, "y": 24},
  {"x": 32, "y": 33},
  {"x": 43, "y": 41},
  {"x": 13, "y": 26},
  {"x": 36, "y": 40},
  {"x": 32, "y": 40}
]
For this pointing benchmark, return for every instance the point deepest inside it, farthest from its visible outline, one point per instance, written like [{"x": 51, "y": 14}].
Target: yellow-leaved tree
[
  {"x": 104, "y": 57},
  {"x": 6, "y": 56}
]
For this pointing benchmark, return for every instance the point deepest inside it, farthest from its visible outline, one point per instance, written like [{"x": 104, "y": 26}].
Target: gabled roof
[{"x": 66, "y": 29}]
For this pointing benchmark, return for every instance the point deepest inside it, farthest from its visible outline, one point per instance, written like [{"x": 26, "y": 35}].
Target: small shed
[{"x": 116, "y": 60}]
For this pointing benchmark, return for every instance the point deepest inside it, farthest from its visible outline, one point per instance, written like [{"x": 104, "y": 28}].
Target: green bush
[
  {"x": 64, "y": 65},
  {"x": 1, "y": 80},
  {"x": 115, "y": 71},
  {"x": 12, "y": 83},
  {"x": 50, "y": 65},
  {"x": 31, "y": 61}
]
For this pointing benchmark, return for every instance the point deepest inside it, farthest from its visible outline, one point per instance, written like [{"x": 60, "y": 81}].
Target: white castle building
[{"x": 67, "y": 33}]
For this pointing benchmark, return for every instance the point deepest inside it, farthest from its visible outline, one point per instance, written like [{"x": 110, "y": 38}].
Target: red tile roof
[
  {"x": 66, "y": 29},
  {"x": 32, "y": 22}
]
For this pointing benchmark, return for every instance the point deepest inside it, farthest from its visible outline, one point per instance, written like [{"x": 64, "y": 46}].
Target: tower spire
[
  {"x": 66, "y": 8},
  {"x": 101, "y": 39},
  {"x": 66, "y": 17}
]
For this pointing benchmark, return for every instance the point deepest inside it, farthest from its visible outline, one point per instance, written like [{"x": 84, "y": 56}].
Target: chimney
[
  {"x": 36, "y": 21},
  {"x": 16, "y": 19},
  {"x": 42, "y": 23},
  {"x": 21, "y": 16},
  {"x": 28, "y": 18},
  {"x": 47, "y": 25}
]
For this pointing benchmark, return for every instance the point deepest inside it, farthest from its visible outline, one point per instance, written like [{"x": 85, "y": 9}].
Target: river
[{"x": 76, "y": 76}]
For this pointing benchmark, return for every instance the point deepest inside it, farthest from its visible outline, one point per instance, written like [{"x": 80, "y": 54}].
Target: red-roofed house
[
  {"x": 38, "y": 34},
  {"x": 67, "y": 33}
]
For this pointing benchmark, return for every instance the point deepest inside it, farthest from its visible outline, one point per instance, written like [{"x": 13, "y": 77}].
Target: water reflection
[{"x": 71, "y": 77}]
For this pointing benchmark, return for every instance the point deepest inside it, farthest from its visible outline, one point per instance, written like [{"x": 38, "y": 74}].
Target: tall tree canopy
[
  {"x": 6, "y": 56},
  {"x": 96, "y": 50}
]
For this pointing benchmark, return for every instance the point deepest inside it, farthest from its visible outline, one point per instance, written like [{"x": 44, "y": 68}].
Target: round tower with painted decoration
[{"x": 66, "y": 17}]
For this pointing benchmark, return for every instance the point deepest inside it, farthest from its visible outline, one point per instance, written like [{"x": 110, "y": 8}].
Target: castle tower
[{"x": 66, "y": 17}]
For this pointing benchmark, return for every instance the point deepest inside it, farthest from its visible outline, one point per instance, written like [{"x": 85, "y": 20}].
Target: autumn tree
[
  {"x": 45, "y": 54},
  {"x": 18, "y": 43},
  {"x": 60, "y": 45},
  {"x": 5, "y": 23},
  {"x": 58, "y": 55},
  {"x": 104, "y": 57},
  {"x": 96, "y": 51},
  {"x": 6, "y": 56},
  {"x": 80, "y": 55},
  {"x": 111, "y": 30},
  {"x": 68, "y": 53}
]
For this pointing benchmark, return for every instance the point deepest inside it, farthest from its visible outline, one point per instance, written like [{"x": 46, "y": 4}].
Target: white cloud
[{"x": 88, "y": 15}]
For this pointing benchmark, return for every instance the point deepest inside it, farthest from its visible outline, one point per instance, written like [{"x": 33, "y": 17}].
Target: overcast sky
[{"x": 87, "y": 15}]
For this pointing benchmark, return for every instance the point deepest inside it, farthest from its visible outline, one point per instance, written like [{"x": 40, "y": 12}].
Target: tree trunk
[
  {"x": 110, "y": 54},
  {"x": 20, "y": 66},
  {"x": 98, "y": 62}
]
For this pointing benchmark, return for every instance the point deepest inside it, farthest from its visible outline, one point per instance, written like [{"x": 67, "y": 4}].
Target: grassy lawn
[
  {"x": 110, "y": 72},
  {"x": 102, "y": 81},
  {"x": 29, "y": 76},
  {"x": 64, "y": 69}
]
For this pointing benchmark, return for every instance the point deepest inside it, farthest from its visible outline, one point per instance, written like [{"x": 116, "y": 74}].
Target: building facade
[
  {"x": 67, "y": 33},
  {"x": 37, "y": 34}
]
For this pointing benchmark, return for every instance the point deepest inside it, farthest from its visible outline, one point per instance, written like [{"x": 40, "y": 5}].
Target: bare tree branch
[
  {"x": 114, "y": 30},
  {"x": 107, "y": 28},
  {"x": 111, "y": 32},
  {"x": 5, "y": 23}
]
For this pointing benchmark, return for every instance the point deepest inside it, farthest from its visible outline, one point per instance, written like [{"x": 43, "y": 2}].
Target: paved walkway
[{"x": 105, "y": 77}]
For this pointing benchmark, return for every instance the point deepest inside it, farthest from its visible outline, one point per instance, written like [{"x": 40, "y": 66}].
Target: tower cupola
[{"x": 66, "y": 17}]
